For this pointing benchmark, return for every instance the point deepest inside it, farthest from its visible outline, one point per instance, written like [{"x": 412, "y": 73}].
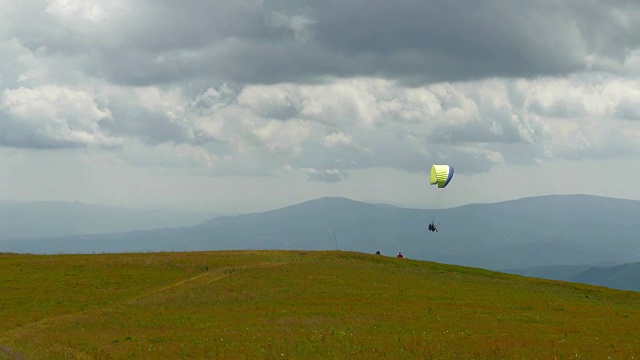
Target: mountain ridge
[
  {"x": 622, "y": 277},
  {"x": 63, "y": 218}
]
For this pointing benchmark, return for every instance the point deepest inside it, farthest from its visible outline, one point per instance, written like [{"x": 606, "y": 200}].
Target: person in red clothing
[{"x": 400, "y": 255}]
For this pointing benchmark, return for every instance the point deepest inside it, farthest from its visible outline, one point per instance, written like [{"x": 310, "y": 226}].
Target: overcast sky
[{"x": 246, "y": 105}]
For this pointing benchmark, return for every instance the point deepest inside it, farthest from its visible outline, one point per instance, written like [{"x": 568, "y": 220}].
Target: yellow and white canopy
[{"x": 441, "y": 175}]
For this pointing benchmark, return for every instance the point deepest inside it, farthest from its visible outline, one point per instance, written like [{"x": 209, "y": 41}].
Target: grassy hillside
[{"x": 294, "y": 304}]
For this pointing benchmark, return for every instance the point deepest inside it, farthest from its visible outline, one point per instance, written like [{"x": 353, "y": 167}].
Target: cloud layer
[{"x": 273, "y": 87}]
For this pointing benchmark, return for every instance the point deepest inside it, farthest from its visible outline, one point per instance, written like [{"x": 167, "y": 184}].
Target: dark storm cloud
[
  {"x": 422, "y": 41},
  {"x": 413, "y": 40},
  {"x": 418, "y": 41}
]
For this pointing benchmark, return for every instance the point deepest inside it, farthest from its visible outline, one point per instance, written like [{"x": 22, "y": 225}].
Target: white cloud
[
  {"x": 50, "y": 116},
  {"x": 326, "y": 175},
  {"x": 19, "y": 65},
  {"x": 337, "y": 138},
  {"x": 282, "y": 138},
  {"x": 342, "y": 124},
  {"x": 361, "y": 123}
]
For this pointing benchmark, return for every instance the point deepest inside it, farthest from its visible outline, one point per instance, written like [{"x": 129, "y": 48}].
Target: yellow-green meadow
[{"x": 297, "y": 305}]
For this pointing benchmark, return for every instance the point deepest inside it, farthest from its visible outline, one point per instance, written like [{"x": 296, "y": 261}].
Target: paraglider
[{"x": 441, "y": 175}]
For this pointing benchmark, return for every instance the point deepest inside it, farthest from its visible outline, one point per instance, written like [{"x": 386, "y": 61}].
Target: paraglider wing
[{"x": 441, "y": 175}]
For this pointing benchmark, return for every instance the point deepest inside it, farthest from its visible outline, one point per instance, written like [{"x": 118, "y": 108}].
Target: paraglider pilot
[{"x": 432, "y": 227}]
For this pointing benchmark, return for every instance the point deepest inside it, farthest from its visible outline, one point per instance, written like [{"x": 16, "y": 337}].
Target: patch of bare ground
[{"x": 6, "y": 353}]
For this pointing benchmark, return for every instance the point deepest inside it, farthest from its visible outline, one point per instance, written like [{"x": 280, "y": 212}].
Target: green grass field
[{"x": 297, "y": 305}]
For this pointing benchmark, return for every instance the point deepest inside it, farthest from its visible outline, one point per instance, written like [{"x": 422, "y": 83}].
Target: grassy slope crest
[{"x": 300, "y": 304}]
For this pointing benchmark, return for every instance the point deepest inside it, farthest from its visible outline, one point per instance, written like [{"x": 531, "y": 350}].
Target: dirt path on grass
[
  {"x": 6, "y": 353},
  {"x": 199, "y": 279},
  {"x": 204, "y": 278}
]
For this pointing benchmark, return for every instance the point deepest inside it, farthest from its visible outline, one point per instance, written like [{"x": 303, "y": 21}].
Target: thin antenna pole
[{"x": 334, "y": 237}]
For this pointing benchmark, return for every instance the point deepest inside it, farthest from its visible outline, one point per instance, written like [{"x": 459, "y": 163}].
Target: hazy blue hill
[
  {"x": 624, "y": 277},
  {"x": 307, "y": 225},
  {"x": 552, "y": 272},
  {"x": 543, "y": 253},
  {"x": 591, "y": 219},
  {"x": 58, "y": 218}
]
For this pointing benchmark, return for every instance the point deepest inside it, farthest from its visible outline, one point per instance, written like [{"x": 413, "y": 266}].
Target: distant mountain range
[
  {"x": 567, "y": 230},
  {"x": 623, "y": 277},
  {"x": 60, "y": 218}
]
